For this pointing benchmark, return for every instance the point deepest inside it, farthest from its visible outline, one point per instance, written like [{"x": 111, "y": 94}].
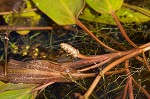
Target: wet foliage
[{"x": 45, "y": 45}]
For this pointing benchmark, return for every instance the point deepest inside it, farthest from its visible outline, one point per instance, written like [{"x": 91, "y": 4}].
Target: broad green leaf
[
  {"x": 24, "y": 19},
  {"x": 125, "y": 15},
  {"x": 105, "y": 6},
  {"x": 17, "y": 91},
  {"x": 17, "y": 94},
  {"x": 63, "y": 12}
]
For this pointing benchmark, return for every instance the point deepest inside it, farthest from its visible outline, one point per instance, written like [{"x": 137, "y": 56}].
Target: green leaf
[
  {"x": 105, "y": 6},
  {"x": 17, "y": 91},
  {"x": 63, "y": 12},
  {"x": 125, "y": 15},
  {"x": 17, "y": 94}
]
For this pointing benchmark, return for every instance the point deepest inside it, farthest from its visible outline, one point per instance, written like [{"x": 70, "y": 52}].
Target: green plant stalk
[{"x": 122, "y": 30}]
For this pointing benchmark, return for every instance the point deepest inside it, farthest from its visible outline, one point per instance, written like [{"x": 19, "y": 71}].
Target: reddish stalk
[
  {"x": 129, "y": 80},
  {"x": 130, "y": 89},
  {"x": 112, "y": 65},
  {"x": 120, "y": 46},
  {"x": 94, "y": 66},
  {"x": 125, "y": 90},
  {"x": 42, "y": 86},
  {"x": 93, "y": 36},
  {"x": 115, "y": 72},
  {"x": 122, "y": 30},
  {"x": 75, "y": 53}
]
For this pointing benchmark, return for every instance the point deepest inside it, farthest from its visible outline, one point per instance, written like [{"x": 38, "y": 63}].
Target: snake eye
[{"x": 69, "y": 49}]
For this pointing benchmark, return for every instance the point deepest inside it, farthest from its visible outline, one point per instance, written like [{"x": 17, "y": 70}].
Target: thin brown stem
[
  {"x": 16, "y": 28},
  {"x": 129, "y": 81},
  {"x": 42, "y": 86},
  {"x": 115, "y": 72},
  {"x": 93, "y": 36},
  {"x": 94, "y": 66},
  {"x": 121, "y": 46},
  {"x": 125, "y": 90},
  {"x": 122, "y": 30},
  {"x": 130, "y": 89},
  {"x": 112, "y": 65}
]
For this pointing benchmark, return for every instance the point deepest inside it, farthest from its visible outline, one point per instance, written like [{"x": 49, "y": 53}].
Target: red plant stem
[
  {"x": 115, "y": 72},
  {"x": 98, "y": 58},
  {"x": 115, "y": 63},
  {"x": 94, "y": 66},
  {"x": 145, "y": 45},
  {"x": 112, "y": 65},
  {"x": 93, "y": 36},
  {"x": 129, "y": 81},
  {"x": 130, "y": 89},
  {"x": 120, "y": 46},
  {"x": 125, "y": 90},
  {"x": 105, "y": 56},
  {"x": 42, "y": 86},
  {"x": 122, "y": 30}
]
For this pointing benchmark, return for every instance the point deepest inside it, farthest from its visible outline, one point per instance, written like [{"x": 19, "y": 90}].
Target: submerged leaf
[
  {"x": 63, "y": 12},
  {"x": 125, "y": 15},
  {"x": 23, "y": 19},
  {"x": 105, "y": 6},
  {"x": 17, "y": 91}
]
